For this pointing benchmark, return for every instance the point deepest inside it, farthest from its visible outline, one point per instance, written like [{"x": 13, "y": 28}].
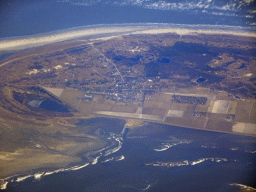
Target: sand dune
[
  {"x": 21, "y": 43},
  {"x": 112, "y": 31}
]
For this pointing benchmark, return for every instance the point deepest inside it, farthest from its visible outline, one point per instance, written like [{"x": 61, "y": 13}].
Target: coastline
[
  {"x": 83, "y": 158},
  {"x": 84, "y": 155},
  {"x": 39, "y": 171},
  {"x": 19, "y": 43}
]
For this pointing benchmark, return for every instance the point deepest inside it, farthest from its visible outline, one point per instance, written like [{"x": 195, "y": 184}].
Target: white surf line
[
  {"x": 107, "y": 160},
  {"x": 52, "y": 172},
  {"x": 78, "y": 167},
  {"x": 38, "y": 176},
  {"x": 250, "y": 151},
  {"x": 5, "y": 181},
  {"x": 95, "y": 161},
  {"x": 108, "y": 60},
  {"x": 146, "y": 188},
  {"x": 121, "y": 158},
  {"x": 114, "y": 150},
  {"x": 3, "y": 185},
  {"x": 244, "y": 187},
  {"x": 212, "y": 147},
  {"x": 169, "y": 145},
  {"x": 186, "y": 162},
  {"x": 136, "y": 137},
  {"x": 19, "y": 179},
  {"x": 74, "y": 168}
]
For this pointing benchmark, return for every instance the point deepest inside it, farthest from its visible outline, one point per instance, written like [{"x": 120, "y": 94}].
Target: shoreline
[
  {"x": 38, "y": 173},
  {"x": 90, "y": 157},
  {"x": 173, "y": 25},
  {"x": 182, "y": 126},
  {"x": 24, "y": 42}
]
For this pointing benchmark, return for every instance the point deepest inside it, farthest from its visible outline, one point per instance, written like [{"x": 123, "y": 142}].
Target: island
[{"x": 194, "y": 78}]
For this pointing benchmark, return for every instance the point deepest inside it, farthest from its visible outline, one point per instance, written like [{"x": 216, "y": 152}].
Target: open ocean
[{"x": 153, "y": 157}]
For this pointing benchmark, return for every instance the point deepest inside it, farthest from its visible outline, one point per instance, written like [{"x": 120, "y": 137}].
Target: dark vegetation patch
[
  {"x": 47, "y": 60},
  {"x": 37, "y": 89},
  {"x": 152, "y": 69},
  {"x": 174, "y": 60},
  {"x": 242, "y": 66},
  {"x": 5, "y": 55},
  {"x": 101, "y": 81},
  {"x": 228, "y": 63},
  {"x": 235, "y": 85},
  {"x": 164, "y": 60},
  {"x": 76, "y": 50},
  {"x": 77, "y": 67},
  {"x": 252, "y": 79},
  {"x": 45, "y": 75},
  {"x": 98, "y": 43},
  {"x": 53, "y": 54},
  {"x": 246, "y": 92},
  {"x": 18, "y": 96},
  {"x": 189, "y": 99},
  {"x": 19, "y": 80},
  {"x": 211, "y": 78},
  {"x": 213, "y": 69},
  {"x": 127, "y": 60},
  {"x": 194, "y": 48},
  {"x": 243, "y": 54},
  {"x": 36, "y": 65}
]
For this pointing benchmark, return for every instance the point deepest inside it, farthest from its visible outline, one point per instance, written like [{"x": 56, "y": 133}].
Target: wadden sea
[{"x": 152, "y": 157}]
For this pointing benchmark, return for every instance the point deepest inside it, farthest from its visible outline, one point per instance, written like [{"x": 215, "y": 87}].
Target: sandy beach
[{"x": 111, "y": 32}]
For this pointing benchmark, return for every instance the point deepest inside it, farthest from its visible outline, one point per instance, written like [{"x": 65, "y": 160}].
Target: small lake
[
  {"x": 51, "y": 105},
  {"x": 201, "y": 80}
]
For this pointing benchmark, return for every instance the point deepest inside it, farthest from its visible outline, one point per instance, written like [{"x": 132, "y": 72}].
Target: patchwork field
[{"x": 228, "y": 115}]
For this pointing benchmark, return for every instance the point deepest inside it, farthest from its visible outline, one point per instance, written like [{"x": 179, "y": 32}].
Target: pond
[
  {"x": 201, "y": 80},
  {"x": 51, "y": 105}
]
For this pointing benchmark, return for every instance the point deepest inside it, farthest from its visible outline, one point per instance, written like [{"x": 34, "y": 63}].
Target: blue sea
[
  {"x": 30, "y": 17},
  {"x": 152, "y": 157}
]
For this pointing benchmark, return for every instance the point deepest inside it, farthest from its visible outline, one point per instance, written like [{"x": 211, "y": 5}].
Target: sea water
[{"x": 154, "y": 157}]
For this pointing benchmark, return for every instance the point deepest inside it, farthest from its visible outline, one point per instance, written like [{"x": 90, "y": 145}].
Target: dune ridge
[{"x": 11, "y": 44}]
